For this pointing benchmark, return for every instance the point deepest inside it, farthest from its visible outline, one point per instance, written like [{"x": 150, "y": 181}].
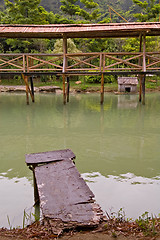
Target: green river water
[{"x": 117, "y": 149}]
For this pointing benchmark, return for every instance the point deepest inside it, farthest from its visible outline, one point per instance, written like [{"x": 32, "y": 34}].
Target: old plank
[
  {"x": 64, "y": 195},
  {"x": 46, "y": 157}
]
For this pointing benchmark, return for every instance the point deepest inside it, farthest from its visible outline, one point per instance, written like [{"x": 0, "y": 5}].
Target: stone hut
[{"x": 127, "y": 84}]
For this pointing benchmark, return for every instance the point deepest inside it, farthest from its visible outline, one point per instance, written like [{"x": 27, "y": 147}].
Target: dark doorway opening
[{"x": 127, "y": 89}]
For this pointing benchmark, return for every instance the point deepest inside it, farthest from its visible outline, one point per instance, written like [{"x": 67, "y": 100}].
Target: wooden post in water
[
  {"x": 102, "y": 88},
  {"x": 143, "y": 89},
  {"x": 144, "y": 69},
  {"x": 64, "y": 66},
  {"x": 140, "y": 76},
  {"x": 32, "y": 88},
  {"x": 64, "y": 91},
  {"x": 25, "y": 78},
  {"x": 36, "y": 194},
  {"x": 67, "y": 90},
  {"x": 27, "y": 89}
]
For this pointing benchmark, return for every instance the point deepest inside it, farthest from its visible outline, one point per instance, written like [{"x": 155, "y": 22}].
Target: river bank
[
  {"x": 74, "y": 89},
  {"x": 112, "y": 228}
]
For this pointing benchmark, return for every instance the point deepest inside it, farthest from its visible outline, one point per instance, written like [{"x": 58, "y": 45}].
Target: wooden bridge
[{"x": 97, "y": 63}]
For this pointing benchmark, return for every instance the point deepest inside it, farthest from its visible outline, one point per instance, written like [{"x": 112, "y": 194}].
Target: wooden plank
[
  {"x": 144, "y": 53},
  {"x": 46, "y": 157},
  {"x": 64, "y": 195},
  {"x": 65, "y": 199},
  {"x": 102, "y": 88}
]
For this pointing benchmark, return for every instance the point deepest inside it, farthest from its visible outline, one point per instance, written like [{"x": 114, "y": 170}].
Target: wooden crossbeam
[
  {"x": 120, "y": 69},
  {"x": 10, "y": 62},
  {"x": 43, "y": 62},
  {"x": 120, "y": 61},
  {"x": 82, "y": 61},
  {"x": 44, "y": 69},
  {"x": 156, "y": 59},
  {"x": 49, "y": 61}
]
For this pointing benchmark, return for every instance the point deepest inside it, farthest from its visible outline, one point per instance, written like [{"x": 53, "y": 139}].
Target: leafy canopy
[
  {"x": 149, "y": 11},
  {"x": 24, "y": 12},
  {"x": 71, "y": 8}
]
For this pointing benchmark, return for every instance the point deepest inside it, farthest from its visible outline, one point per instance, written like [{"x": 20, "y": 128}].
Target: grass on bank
[{"x": 116, "y": 224}]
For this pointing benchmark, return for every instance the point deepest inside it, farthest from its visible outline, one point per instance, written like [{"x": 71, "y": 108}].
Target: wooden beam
[
  {"x": 143, "y": 89},
  {"x": 32, "y": 88},
  {"x": 27, "y": 95},
  {"x": 102, "y": 88},
  {"x": 140, "y": 76},
  {"x": 64, "y": 53},
  {"x": 144, "y": 53},
  {"x": 68, "y": 88},
  {"x": 140, "y": 88},
  {"x": 36, "y": 194},
  {"x": 144, "y": 69},
  {"x": 64, "y": 91},
  {"x": 64, "y": 66},
  {"x": 28, "y": 90}
]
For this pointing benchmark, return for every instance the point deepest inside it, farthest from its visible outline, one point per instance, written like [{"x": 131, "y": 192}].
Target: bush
[{"x": 97, "y": 79}]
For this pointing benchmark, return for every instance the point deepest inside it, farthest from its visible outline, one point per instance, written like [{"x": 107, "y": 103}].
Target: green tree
[
  {"x": 88, "y": 11},
  {"x": 71, "y": 48},
  {"x": 24, "y": 12},
  {"x": 149, "y": 10}
]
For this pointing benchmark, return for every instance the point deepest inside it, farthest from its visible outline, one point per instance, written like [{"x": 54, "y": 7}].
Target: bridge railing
[
  {"x": 153, "y": 60},
  {"x": 44, "y": 62},
  {"x": 122, "y": 61},
  {"x": 80, "y": 62},
  {"x": 12, "y": 62}
]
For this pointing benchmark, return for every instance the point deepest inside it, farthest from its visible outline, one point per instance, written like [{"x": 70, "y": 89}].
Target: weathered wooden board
[
  {"x": 65, "y": 199},
  {"x": 46, "y": 157},
  {"x": 63, "y": 193}
]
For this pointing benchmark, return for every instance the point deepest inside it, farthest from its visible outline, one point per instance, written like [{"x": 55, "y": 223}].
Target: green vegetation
[
  {"x": 147, "y": 224},
  {"x": 88, "y": 11}
]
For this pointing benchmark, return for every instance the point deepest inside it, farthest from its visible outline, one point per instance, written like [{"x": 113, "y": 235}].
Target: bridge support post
[
  {"x": 28, "y": 91},
  {"x": 144, "y": 69},
  {"x": 68, "y": 88},
  {"x": 64, "y": 91},
  {"x": 32, "y": 88},
  {"x": 140, "y": 88},
  {"x": 64, "y": 68},
  {"x": 102, "y": 88},
  {"x": 140, "y": 76},
  {"x": 143, "y": 89}
]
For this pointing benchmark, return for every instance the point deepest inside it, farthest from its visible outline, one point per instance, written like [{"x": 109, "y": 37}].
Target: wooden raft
[{"x": 65, "y": 199}]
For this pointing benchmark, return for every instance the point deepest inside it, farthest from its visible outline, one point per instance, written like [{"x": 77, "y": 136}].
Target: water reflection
[
  {"x": 132, "y": 193},
  {"x": 127, "y": 101},
  {"x": 111, "y": 140}
]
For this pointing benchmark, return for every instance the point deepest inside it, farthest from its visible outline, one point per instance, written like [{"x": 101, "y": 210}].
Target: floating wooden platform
[{"x": 65, "y": 199}]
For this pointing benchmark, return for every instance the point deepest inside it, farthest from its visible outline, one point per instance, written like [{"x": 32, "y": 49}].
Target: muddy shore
[
  {"x": 108, "y": 230},
  {"x": 57, "y": 89}
]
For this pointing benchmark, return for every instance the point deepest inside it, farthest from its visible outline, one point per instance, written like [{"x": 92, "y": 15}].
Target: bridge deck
[{"x": 118, "y": 30}]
